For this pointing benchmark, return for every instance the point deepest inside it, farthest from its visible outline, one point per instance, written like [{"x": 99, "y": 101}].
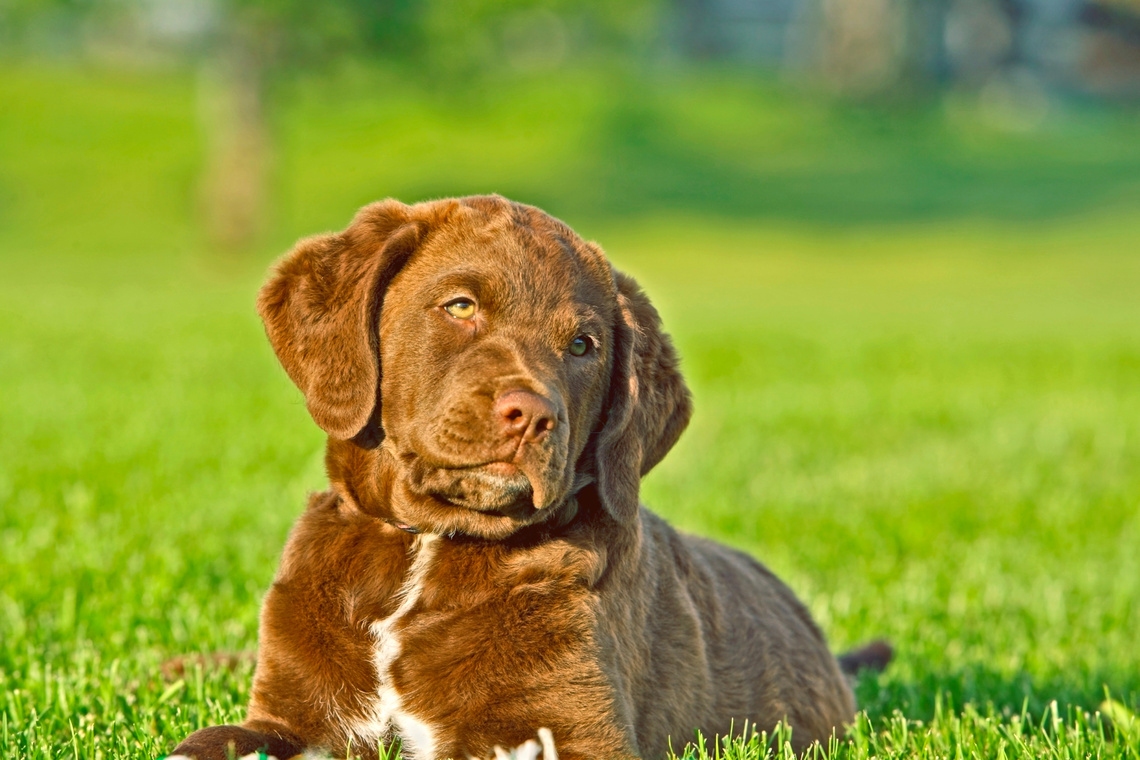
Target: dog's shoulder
[{"x": 340, "y": 570}]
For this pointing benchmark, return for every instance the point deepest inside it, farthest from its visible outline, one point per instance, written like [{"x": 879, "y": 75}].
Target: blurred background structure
[{"x": 878, "y": 46}]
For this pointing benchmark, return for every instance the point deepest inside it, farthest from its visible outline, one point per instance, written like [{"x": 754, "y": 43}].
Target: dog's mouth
[
  {"x": 488, "y": 498},
  {"x": 496, "y": 487},
  {"x": 501, "y": 469}
]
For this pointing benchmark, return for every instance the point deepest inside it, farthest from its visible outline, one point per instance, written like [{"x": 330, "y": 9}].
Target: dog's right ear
[
  {"x": 649, "y": 404},
  {"x": 321, "y": 311}
]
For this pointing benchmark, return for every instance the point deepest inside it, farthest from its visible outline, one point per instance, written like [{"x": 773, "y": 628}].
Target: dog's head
[{"x": 480, "y": 359}]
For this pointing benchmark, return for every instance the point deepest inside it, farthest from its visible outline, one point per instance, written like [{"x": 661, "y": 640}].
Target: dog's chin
[
  {"x": 496, "y": 488},
  {"x": 499, "y": 487},
  {"x": 490, "y": 501}
]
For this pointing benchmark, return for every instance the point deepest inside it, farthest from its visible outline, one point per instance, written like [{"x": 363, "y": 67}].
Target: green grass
[{"x": 922, "y": 413}]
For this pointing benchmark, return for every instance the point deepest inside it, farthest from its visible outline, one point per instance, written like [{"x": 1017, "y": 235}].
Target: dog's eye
[
  {"x": 460, "y": 308},
  {"x": 581, "y": 345}
]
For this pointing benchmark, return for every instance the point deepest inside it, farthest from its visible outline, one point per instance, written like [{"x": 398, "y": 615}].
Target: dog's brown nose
[{"x": 526, "y": 414}]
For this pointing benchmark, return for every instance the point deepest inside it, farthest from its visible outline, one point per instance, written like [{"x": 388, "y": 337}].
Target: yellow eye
[
  {"x": 580, "y": 345},
  {"x": 460, "y": 308}
]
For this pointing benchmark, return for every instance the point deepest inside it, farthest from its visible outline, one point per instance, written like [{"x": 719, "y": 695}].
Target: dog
[{"x": 481, "y": 567}]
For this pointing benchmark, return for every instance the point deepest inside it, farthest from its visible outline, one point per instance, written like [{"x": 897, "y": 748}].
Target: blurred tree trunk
[
  {"x": 863, "y": 44},
  {"x": 235, "y": 180}
]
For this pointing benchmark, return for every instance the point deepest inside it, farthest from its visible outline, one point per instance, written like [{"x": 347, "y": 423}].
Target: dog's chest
[{"x": 386, "y": 716}]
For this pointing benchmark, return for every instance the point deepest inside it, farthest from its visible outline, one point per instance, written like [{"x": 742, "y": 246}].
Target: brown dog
[{"x": 481, "y": 568}]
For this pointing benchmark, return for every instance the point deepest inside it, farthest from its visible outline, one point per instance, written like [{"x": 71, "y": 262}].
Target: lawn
[{"x": 914, "y": 348}]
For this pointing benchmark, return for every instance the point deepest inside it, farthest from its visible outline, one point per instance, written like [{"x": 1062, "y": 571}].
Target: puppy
[{"x": 480, "y": 567}]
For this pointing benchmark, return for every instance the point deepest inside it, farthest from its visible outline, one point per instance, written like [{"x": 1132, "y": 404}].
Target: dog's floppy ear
[
  {"x": 649, "y": 403},
  {"x": 321, "y": 309}
]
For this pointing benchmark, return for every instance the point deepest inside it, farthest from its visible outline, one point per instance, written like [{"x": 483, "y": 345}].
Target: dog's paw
[
  {"x": 530, "y": 749},
  {"x": 254, "y": 756}
]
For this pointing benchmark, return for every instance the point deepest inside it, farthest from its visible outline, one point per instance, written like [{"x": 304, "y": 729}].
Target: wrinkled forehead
[{"x": 519, "y": 261}]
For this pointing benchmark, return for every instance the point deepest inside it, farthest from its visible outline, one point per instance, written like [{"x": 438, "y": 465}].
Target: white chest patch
[{"x": 388, "y": 716}]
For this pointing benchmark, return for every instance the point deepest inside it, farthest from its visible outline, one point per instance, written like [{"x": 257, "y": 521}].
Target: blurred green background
[{"x": 897, "y": 243}]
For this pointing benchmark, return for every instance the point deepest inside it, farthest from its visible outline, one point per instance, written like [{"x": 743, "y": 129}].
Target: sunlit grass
[{"x": 928, "y": 426}]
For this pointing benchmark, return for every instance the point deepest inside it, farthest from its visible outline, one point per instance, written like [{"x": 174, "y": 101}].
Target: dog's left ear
[
  {"x": 649, "y": 403},
  {"x": 321, "y": 310}
]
